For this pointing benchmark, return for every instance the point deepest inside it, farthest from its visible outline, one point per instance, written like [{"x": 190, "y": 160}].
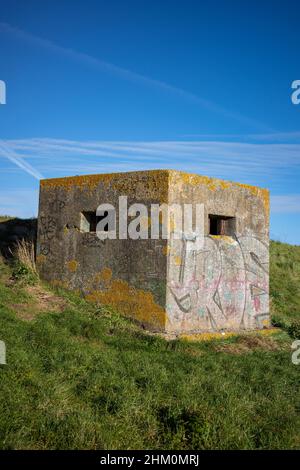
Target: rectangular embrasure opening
[
  {"x": 222, "y": 225},
  {"x": 89, "y": 221}
]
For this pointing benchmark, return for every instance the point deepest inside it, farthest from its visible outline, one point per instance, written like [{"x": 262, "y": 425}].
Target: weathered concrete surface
[
  {"x": 128, "y": 274},
  {"x": 161, "y": 283},
  {"x": 224, "y": 285}
]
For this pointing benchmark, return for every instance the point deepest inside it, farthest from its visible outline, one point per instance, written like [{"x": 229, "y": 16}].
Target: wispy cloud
[
  {"x": 262, "y": 164},
  {"x": 285, "y": 204},
  {"x": 229, "y": 160},
  {"x": 134, "y": 77},
  {"x": 6, "y": 151}
]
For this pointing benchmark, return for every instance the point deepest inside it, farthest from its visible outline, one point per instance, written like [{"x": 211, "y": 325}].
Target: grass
[
  {"x": 80, "y": 377},
  {"x": 284, "y": 286}
]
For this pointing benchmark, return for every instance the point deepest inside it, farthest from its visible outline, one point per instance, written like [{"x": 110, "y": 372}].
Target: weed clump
[{"x": 24, "y": 266}]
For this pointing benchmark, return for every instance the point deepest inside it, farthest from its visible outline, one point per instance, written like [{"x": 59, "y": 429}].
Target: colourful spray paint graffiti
[{"x": 222, "y": 284}]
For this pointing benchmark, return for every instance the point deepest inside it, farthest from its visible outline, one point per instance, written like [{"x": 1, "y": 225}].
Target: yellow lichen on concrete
[
  {"x": 105, "y": 275},
  {"x": 84, "y": 181},
  {"x": 132, "y": 302},
  {"x": 100, "y": 280},
  {"x": 177, "y": 260},
  {"x": 261, "y": 193},
  {"x": 208, "y": 336},
  {"x": 226, "y": 334},
  {"x": 224, "y": 238},
  {"x": 166, "y": 250},
  {"x": 150, "y": 185},
  {"x": 214, "y": 183},
  {"x": 192, "y": 179},
  {"x": 72, "y": 265},
  {"x": 153, "y": 183},
  {"x": 268, "y": 331}
]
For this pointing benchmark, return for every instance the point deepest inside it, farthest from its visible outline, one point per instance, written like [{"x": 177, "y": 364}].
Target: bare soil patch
[
  {"x": 248, "y": 343},
  {"x": 41, "y": 301}
]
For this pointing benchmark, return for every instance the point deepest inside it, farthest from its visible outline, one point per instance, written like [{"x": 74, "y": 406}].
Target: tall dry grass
[{"x": 24, "y": 253}]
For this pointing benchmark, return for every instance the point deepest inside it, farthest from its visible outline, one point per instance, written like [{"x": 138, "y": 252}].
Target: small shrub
[
  {"x": 278, "y": 322},
  {"x": 24, "y": 262},
  {"x": 23, "y": 273},
  {"x": 294, "y": 329}
]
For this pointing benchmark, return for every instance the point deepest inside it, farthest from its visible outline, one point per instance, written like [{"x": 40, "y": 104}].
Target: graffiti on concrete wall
[
  {"x": 47, "y": 231},
  {"x": 220, "y": 284},
  {"x": 48, "y": 225}
]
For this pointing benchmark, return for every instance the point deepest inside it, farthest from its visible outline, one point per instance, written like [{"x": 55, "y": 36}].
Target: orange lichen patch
[
  {"x": 40, "y": 259},
  {"x": 69, "y": 182},
  {"x": 132, "y": 302},
  {"x": 105, "y": 275},
  {"x": 261, "y": 193},
  {"x": 224, "y": 184},
  {"x": 148, "y": 185},
  {"x": 101, "y": 279},
  {"x": 197, "y": 180},
  {"x": 96, "y": 279},
  {"x": 192, "y": 179},
  {"x": 214, "y": 183},
  {"x": 152, "y": 184},
  {"x": 72, "y": 265}
]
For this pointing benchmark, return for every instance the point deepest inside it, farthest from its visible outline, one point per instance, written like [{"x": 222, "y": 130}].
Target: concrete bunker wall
[
  {"x": 129, "y": 275},
  {"x": 224, "y": 283},
  {"x": 158, "y": 282}
]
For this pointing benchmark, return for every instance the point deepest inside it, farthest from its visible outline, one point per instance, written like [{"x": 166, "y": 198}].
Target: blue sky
[{"x": 98, "y": 86}]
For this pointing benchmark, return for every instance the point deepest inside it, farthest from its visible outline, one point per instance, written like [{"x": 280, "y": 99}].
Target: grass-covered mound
[{"x": 78, "y": 376}]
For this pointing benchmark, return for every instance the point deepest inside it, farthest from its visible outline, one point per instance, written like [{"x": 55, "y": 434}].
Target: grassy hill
[
  {"x": 80, "y": 376},
  {"x": 285, "y": 286}
]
